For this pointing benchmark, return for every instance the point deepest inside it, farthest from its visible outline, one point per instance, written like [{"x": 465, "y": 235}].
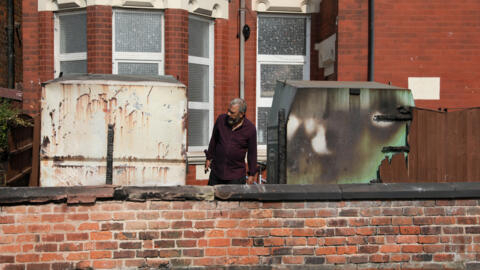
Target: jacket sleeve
[
  {"x": 213, "y": 142},
  {"x": 252, "y": 153}
]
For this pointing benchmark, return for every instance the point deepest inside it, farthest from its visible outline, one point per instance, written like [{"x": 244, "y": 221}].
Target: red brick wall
[
  {"x": 365, "y": 234},
  {"x": 316, "y": 73},
  {"x": 38, "y": 61},
  {"x": 414, "y": 39},
  {"x": 352, "y": 40},
  {"x": 227, "y": 60},
  {"x": 224, "y": 69},
  {"x": 192, "y": 177},
  {"x": 31, "y": 63},
  {"x": 4, "y": 43},
  {"x": 18, "y": 49},
  {"x": 251, "y": 62},
  {"x": 323, "y": 26},
  {"x": 176, "y": 44},
  {"x": 38, "y": 65},
  {"x": 46, "y": 45},
  {"x": 99, "y": 36},
  {"x": 430, "y": 39}
]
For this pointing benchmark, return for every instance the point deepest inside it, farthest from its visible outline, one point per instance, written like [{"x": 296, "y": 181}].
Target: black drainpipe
[
  {"x": 11, "y": 48},
  {"x": 371, "y": 39}
]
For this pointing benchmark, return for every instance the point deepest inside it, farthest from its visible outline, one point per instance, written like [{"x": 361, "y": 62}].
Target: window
[
  {"x": 138, "y": 42},
  {"x": 200, "y": 82},
  {"x": 70, "y": 43},
  {"x": 283, "y": 51}
]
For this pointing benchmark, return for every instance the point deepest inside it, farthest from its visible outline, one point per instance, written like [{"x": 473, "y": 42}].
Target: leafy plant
[{"x": 9, "y": 117}]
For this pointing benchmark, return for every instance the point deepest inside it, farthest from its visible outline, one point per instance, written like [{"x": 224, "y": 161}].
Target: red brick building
[
  {"x": 430, "y": 47},
  {"x": 16, "y": 9}
]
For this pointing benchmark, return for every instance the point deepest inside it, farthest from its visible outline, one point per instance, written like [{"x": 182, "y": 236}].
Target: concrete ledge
[
  {"x": 176, "y": 193},
  {"x": 79, "y": 194},
  {"x": 409, "y": 191},
  {"x": 349, "y": 192},
  {"x": 89, "y": 194},
  {"x": 278, "y": 192}
]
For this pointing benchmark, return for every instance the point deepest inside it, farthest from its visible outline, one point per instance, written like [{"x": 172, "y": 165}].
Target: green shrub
[{"x": 9, "y": 117}]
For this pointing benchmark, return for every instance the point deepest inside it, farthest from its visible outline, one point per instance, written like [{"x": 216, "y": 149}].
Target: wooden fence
[{"x": 444, "y": 147}]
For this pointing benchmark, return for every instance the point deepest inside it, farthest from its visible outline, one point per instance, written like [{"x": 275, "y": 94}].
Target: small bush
[{"x": 9, "y": 117}]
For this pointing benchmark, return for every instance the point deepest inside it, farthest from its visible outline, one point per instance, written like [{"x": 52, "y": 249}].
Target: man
[{"x": 232, "y": 137}]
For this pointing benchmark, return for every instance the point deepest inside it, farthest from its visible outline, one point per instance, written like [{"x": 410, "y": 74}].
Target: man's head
[{"x": 236, "y": 111}]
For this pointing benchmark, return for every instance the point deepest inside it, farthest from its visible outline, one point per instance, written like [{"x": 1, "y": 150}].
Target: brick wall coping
[{"x": 89, "y": 194}]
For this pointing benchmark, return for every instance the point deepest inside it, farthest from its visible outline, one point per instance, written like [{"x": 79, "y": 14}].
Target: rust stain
[
  {"x": 184, "y": 121},
  {"x": 83, "y": 102},
  {"x": 184, "y": 151},
  {"x": 68, "y": 166},
  {"x": 54, "y": 130},
  {"x": 162, "y": 149},
  {"x": 131, "y": 119},
  {"x": 113, "y": 105},
  {"x": 45, "y": 142},
  {"x": 165, "y": 173},
  {"x": 148, "y": 95}
]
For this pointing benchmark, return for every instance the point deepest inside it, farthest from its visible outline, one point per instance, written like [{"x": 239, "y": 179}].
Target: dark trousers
[{"x": 214, "y": 180}]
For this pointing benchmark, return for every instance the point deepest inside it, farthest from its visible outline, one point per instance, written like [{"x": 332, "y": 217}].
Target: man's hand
[
  {"x": 251, "y": 179},
  {"x": 207, "y": 165}
]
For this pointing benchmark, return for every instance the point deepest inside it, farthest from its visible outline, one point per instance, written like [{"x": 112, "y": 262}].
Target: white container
[{"x": 149, "y": 117}]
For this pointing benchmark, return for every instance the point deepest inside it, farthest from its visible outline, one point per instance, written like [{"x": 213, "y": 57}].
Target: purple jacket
[{"x": 227, "y": 149}]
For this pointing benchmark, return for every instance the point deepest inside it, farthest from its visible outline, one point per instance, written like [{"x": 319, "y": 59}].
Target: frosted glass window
[
  {"x": 281, "y": 35},
  {"x": 138, "y": 68},
  {"x": 282, "y": 54},
  {"x": 69, "y": 67},
  {"x": 198, "y": 38},
  {"x": 271, "y": 73},
  {"x": 198, "y": 127},
  {"x": 262, "y": 125},
  {"x": 138, "y": 32},
  {"x": 198, "y": 82},
  {"x": 73, "y": 33}
]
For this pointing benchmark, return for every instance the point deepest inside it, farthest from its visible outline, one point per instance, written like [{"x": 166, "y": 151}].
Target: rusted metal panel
[
  {"x": 399, "y": 170},
  {"x": 148, "y": 116},
  {"x": 444, "y": 147},
  {"x": 35, "y": 175},
  {"x": 338, "y": 132}
]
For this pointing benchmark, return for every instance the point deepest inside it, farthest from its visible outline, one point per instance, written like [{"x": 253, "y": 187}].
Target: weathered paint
[
  {"x": 332, "y": 136},
  {"x": 149, "y": 131}
]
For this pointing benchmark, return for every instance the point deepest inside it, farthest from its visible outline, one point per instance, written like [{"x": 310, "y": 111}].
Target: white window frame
[
  {"x": 60, "y": 57},
  {"x": 210, "y": 62},
  {"x": 138, "y": 57},
  {"x": 281, "y": 60}
]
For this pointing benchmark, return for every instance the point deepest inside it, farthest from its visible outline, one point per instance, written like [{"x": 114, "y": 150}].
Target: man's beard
[{"x": 233, "y": 121}]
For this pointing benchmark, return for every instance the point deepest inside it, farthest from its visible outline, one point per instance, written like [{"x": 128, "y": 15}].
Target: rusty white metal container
[{"x": 149, "y": 118}]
